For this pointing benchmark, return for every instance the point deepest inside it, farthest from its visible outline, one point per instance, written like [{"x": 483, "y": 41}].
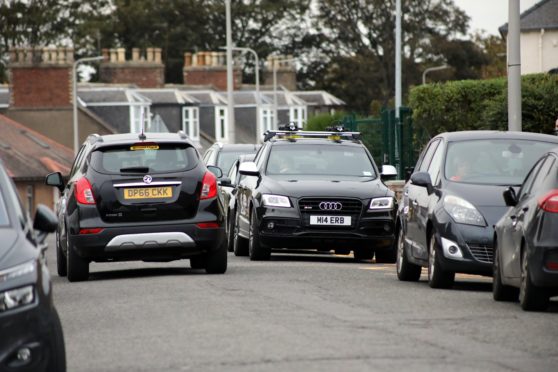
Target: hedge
[{"x": 482, "y": 104}]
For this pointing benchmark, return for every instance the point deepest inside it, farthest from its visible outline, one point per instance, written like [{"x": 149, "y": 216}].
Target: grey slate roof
[
  {"x": 542, "y": 15},
  {"x": 319, "y": 98},
  {"x": 103, "y": 96},
  {"x": 167, "y": 96}
]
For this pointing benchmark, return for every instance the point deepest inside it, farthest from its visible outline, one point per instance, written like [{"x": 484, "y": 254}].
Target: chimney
[
  {"x": 286, "y": 72},
  {"x": 146, "y": 70},
  {"x": 41, "y": 77},
  {"x": 209, "y": 68}
]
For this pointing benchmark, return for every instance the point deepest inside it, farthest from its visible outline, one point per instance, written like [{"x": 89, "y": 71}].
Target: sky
[{"x": 489, "y": 15}]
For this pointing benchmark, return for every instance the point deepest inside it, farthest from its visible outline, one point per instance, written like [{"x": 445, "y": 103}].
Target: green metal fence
[{"x": 390, "y": 140}]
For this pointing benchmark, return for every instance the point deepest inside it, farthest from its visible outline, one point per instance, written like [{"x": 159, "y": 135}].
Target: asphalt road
[{"x": 295, "y": 313}]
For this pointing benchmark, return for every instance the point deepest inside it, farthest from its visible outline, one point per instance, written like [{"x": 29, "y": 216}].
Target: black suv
[
  {"x": 139, "y": 197},
  {"x": 314, "y": 190}
]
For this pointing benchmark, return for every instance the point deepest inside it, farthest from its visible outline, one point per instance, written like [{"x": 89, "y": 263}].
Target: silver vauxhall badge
[{"x": 147, "y": 179}]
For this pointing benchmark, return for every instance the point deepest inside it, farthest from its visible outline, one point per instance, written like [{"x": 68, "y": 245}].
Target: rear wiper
[{"x": 135, "y": 169}]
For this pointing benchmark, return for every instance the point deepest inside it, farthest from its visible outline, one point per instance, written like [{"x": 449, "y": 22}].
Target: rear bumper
[
  {"x": 541, "y": 275},
  {"x": 157, "y": 242}
]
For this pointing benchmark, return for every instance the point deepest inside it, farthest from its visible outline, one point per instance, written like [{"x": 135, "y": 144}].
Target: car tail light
[
  {"x": 94, "y": 230},
  {"x": 552, "y": 265},
  {"x": 84, "y": 192},
  {"x": 549, "y": 202},
  {"x": 209, "y": 186},
  {"x": 208, "y": 225}
]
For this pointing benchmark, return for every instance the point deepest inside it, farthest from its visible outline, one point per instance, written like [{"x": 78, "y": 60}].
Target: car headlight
[
  {"x": 13, "y": 298},
  {"x": 276, "y": 201},
  {"x": 462, "y": 211},
  {"x": 381, "y": 203}
]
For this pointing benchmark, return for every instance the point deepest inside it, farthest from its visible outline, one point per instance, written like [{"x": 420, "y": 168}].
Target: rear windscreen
[{"x": 144, "y": 158}]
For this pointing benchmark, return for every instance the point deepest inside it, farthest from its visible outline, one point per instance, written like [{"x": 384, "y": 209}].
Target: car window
[
  {"x": 526, "y": 187},
  {"x": 493, "y": 161},
  {"x": 303, "y": 159},
  {"x": 207, "y": 155},
  {"x": 233, "y": 173},
  {"x": 4, "y": 220},
  {"x": 77, "y": 161},
  {"x": 428, "y": 156},
  {"x": 226, "y": 159},
  {"x": 436, "y": 164},
  {"x": 539, "y": 182},
  {"x": 144, "y": 158},
  {"x": 12, "y": 198},
  {"x": 260, "y": 156}
]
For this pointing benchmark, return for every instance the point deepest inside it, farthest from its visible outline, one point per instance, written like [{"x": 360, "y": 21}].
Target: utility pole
[
  {"x": 514, "y": 67},
  {"x": 397, "y": 126},
  {"x": 230, "y": 98}
]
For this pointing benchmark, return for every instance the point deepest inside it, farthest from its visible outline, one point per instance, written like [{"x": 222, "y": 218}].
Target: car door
[
  {"x": 513, "y": 232},
  {"x": 417, "y": 202}
]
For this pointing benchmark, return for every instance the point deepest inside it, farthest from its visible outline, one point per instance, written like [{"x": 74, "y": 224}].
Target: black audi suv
[
  {"x": 31, "y": 337},
  {"x": 525, "y": 244},
  {"x": 139, "y": 197},
  {"x": 454, "y": 198},
  {"x": 314, "y": 190}
]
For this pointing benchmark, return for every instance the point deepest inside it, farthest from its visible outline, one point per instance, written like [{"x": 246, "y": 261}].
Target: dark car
[
  {"x": 228, "y": 192},
  {"x": 526, "y": 240},
  {"x": 139, "y": 197},
  {"x": 314, "y": 190},
  {"x": 31, "y": 337},
  {"x": 454, "y": 199},
  {"x": 224, "y": 155}
]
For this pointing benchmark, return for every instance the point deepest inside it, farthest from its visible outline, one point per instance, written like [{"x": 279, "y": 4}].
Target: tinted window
[
  {"x": 144, "y": 158},
  {"x": 320, "y": 160},
  {"x": 526, "y": 187},
  {"x": 233, "y": 173},
  {"x": 226, "y": 159},
  {"x": 428, "y": 156},
  {"x": 4, "y": 220},
  {"x": 540, "y": 184},
  {"x": 493, "y": 161},
  {"x": 436, "y": 164}
]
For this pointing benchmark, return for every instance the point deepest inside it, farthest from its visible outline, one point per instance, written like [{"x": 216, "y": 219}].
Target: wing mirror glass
[
  {"x": 422, "y": 179},
  {"x": 248, "y": 169},
  {"x": 55, "y": 179},
  {"x": 510, "y": 197},
  {"x": 215, "y": 170}
]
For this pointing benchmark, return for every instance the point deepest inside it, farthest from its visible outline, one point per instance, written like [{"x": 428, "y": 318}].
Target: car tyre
[
  {"x": 197, "y": 262},
  {"x": 240, "y": 245},
  {"x": 216, "y": 260},
  {"x": 437, "y": 277},
  {"x": 406, "y": 270},
  {"x": 531, "y": 297},
  {"x": 61, "y": 264},
  {"x": 57, "y": 357},
  {"x": 500, "y": 291},
  {"x": 230, "y": 234},
  {"x": 78, "y": 268},
  {"x": 256, "y": 250},
  {"x": 363, "y": 254}
]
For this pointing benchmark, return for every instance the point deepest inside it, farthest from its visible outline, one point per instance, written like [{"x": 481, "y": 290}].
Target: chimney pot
[
  {"x": 135, "y": 54},
  {"x": 113, "y": 58},
  {"x": 121, "y": 53},
  {"x": 158, "y": 52},
  {"x": 187, "y": 59},
  {"x": 106, "y": 54},
  {"x": 150, "y": 57}
]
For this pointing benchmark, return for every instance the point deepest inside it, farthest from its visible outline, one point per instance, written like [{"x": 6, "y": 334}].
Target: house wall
[
  {"x": 207, "y": 120},
  {"x": 211, "y": 75},
  {"x": 117, "y": 116},
  {"x": 539, "y": 53},
  {"x": 41, "y": 86},
  {"x": 245, "y": 122},
  {"x": 35, "y": 192},
  {"x": 171, "y": 115}
]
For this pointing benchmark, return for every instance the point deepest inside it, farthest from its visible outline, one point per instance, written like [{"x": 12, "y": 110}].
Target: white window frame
[
  {"x": 267, "y": 120},
  {"x": 221, "y": 124},
  {"x": 136, "y": 112},
  {"x": 191, "y": 122},
  {"x": 297, "y": 114}
]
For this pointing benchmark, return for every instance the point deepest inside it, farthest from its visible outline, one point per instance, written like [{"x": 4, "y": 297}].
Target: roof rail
[
  {"x": 94, "y": 137},
  {"x": 334, "y": 135}
]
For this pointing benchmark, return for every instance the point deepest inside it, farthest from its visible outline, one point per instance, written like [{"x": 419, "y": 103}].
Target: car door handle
[
  {"x": 525, "y": 209},
  {"x": 415, "y": 203}
]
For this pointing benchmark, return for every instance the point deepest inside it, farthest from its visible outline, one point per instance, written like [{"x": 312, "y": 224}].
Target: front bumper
[
  {"x": 147, "y": 242},
  {"x": 288, "y": 228},
  {"x": 33, "y": 328}
]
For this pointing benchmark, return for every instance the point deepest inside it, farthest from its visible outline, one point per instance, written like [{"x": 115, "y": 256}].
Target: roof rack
[{"x": 334, "y": 135}]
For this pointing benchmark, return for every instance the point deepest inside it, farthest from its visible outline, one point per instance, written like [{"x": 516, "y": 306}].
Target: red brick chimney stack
[
  {"x": 286, "y": 72},
  {"x": 209, "y": 68},
  {"x": 41, "y": 77},
  {"x": 144, "y": 70}
]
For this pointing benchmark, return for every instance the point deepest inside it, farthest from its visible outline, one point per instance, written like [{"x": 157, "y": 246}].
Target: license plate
[
  {"x": 331, "y": 220},
  {"x": 148, "y": 193}
]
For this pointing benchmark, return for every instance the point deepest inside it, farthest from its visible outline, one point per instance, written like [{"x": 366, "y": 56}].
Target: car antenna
[{"x": 142, "y": 133}]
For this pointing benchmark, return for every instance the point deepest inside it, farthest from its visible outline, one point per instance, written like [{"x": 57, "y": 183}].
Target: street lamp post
[
  {"x": 257, "y": 61},
  {"x": 230, "y": 99},
  {"x": 430, "y": 69},
  {"x": 514, "y": 67},
  {"x": 276, "y": 62},
  {"x": 74, "y": 96}
]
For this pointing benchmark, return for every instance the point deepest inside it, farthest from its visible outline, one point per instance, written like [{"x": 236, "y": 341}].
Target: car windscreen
[
  {"x": 4, "y": 220},
  {"x": 226, "y": 159},
  {"x": 330, "y": 160},
  {"x": 493, "y": 161},
  {"x": 144, "y": 158}
]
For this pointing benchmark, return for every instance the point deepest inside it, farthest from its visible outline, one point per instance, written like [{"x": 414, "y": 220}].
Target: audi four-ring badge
[{"x": 314, "y": 190}]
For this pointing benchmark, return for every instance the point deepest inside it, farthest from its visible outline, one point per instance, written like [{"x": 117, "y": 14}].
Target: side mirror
[
  {"x": 225, "y": 181},
  {"x": 45, "y": 220},
  {"x": 389, "y": 172},
  {"x": 510, "y": 197},
  {"x": 423, "y": 179},
  {"x": 55, "y": 179},
  {"x": 215, "y": 170},
  {"x": 248, "y": 169}
]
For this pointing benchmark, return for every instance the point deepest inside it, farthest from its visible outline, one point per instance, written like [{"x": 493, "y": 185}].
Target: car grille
[
  {"x": 482, "y": 253},
  {"x": 349, "y": 207}
]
